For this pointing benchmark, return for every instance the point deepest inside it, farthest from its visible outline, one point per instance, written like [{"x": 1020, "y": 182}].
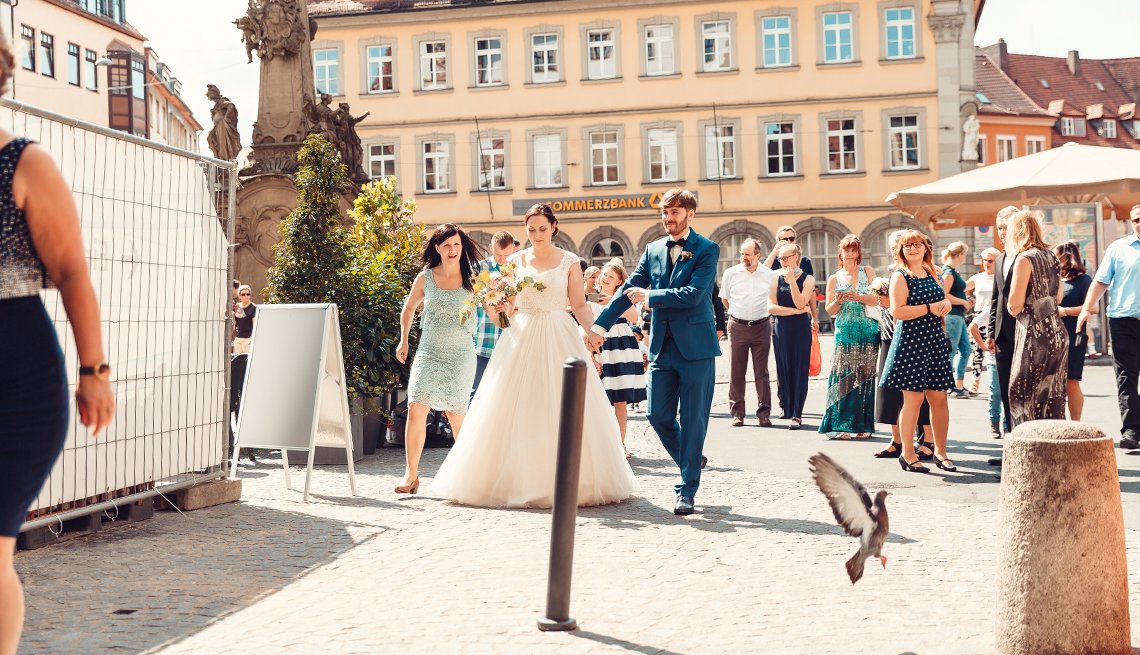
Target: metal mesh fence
[{"x": 156, "y": 225}]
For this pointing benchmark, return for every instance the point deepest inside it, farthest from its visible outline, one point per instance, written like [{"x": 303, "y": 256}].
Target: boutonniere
[{"x": 686, "y": 255}]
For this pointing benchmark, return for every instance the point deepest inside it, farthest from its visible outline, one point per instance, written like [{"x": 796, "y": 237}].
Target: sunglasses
[
  {"x": 244, "y": 294},
  {"x": 789, "y": 238},
  {"x": 987, "y": 260},
  {"x": 782, "y": 258}
]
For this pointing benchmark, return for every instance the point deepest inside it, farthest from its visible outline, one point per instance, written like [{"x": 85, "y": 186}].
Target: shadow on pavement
[
  {"x": 627, "y": 645},
  {"x": 162, "y": 581}
]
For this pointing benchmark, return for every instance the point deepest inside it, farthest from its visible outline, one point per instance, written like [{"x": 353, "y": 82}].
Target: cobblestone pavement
[{"x": 759, "y": 569}]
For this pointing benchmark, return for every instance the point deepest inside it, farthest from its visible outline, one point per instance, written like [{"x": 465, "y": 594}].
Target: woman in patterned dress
[
  {"x": 851, "y": 385},
  {"x": 918, "y": 363},
  {"x": 444, "y": 366},
  {"x": 1041, "y": 344},
  {"x": 619, "y": 363}
]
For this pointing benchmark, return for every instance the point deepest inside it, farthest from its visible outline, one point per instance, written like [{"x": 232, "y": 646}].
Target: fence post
[{"x": 565, "y": 511}]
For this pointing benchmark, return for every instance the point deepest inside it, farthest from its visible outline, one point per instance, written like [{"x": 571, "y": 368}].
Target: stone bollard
[{"x": 1062, "y": 567}]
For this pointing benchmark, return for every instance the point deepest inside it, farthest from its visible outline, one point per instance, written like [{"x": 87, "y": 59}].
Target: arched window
[
  {"x": 483, "y": 239},
  {"x": 819, "y": 238},
  {"x": 730, "y": 236},
  {"x": 874, "y": 238},
  {"x": 605, "y": 250}
]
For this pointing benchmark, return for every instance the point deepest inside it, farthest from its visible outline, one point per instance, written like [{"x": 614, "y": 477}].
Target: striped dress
[{"x": 623, "y": 371}]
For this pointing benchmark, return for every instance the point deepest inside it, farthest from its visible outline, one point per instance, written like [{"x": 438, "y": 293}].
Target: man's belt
[{"x": 749, "y": 323}]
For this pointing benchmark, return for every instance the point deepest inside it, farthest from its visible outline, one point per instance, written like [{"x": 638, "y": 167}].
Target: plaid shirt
[{"x": 488, "y": 332}]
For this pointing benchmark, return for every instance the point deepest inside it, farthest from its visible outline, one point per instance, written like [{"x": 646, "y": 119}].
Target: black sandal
[
  {"x": 890, "y": 452},
  {"x": 913, "y": 468},
  {"x": 941, "y": 463},
  {"x": 924, "y": 457}
]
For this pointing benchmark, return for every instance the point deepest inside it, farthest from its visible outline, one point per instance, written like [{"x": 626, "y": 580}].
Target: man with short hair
[
  {"x": 1119, "y": 274},
  {"x": 744, "y": 290},
  {"x": 503, "y": 245}
]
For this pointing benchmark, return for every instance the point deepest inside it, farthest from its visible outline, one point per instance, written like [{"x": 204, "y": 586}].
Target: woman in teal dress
[
  {"x": 851, "y": 385},
  {"x": 444, "y": 366}
]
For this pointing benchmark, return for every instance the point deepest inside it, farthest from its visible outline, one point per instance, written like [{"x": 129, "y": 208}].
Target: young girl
[{"x": 619, "y": 363}]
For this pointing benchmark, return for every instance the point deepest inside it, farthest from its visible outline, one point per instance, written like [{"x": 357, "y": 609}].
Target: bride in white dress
[{"x": 507, "y": 455}]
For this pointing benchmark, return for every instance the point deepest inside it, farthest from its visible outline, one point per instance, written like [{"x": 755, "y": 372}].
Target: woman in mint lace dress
[
  {"x": 444, "y": 366},
  {"x": 851, "y": 385}
]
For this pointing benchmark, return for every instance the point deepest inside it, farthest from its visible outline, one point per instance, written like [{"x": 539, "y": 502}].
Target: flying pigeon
[{"x": 854, "y": 511}]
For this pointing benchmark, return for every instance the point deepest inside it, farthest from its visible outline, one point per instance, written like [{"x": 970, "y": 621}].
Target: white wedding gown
[{"x": 505, "y": 455}]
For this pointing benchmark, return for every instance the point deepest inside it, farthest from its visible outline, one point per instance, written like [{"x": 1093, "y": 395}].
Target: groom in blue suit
[{"x": 675, "y": 278}]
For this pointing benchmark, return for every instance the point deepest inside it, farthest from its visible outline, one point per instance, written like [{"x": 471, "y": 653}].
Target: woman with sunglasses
[
  {"x": 789, "y": 302},
  {"x": 243, "y": 320},
  {"x": 980, "y": 287},
  {"x": 918, "y": 363},
  {"x": 1075, "y": 283}
]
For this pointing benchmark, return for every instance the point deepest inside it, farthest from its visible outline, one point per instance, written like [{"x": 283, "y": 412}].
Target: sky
[{"x": 202, "y": 46}]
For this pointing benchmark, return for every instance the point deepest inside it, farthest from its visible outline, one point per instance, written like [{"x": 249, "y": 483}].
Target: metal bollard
[{"x": 565, "y": 511}]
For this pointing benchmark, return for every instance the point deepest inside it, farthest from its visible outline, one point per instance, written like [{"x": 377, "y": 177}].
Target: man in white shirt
[{"x": 744, "y": 290}]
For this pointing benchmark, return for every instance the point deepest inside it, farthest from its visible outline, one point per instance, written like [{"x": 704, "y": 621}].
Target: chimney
[
  {"x": 998, "y": 54},
  {"x": 1074, "y": 62}
]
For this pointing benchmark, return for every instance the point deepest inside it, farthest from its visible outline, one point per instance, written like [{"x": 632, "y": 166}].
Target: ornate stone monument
[{"x": 280, "y": 31}]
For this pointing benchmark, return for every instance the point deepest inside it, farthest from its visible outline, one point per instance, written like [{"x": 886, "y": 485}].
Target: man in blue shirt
[
  {"x": 1119, "y": 274},
  {"x": 503, "y": 245}
]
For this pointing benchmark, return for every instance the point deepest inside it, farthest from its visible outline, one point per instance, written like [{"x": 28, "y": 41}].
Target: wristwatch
[{"x": 101, "y": 371}]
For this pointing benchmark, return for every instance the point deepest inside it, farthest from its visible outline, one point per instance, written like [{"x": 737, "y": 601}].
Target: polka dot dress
[{"x": 919, "y": 358}]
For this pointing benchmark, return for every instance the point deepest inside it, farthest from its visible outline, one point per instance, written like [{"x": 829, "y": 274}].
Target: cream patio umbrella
[{"x": 1072, "y": 173}]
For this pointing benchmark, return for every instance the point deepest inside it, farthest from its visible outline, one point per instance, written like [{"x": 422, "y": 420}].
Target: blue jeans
[
  {"x": 959, "y": 344},
  {"x": 995, "y": 392}
]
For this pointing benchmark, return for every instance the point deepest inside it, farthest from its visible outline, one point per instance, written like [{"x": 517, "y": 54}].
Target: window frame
[
  {"x": 380, "y": 142},
  {"x": 919, "y": 130},
  {"x": 74, "y": 64},
  {"x": 532, "y": 178},
  {"x": 421, "y": 163},
  {"x": 792, "y": 14},
  {"x": 733, "y": 58},
  {"x": 1105, "y": 124},
  {"x": 821, "y": 12},
  {"x": 884, "y": 29},
  {"x": 619, "y": 157},
  {"x": 983, "y": 152},
  {"x": 91, "y": 70},
  {"x": 647, "y": 130},
  {"x": 1068, "y": 126},
  {"x": 1040, "y": 141},
  {"x": 433, "y": 38},
  {"x": 1001, "y": 139},
  {"x": 474, "y": 56},
  {"x": 615, "y": 31},
  {"x": 47, "y": 54},
  {"x": 30, "y": 54},
  {"x": 559, "y": 53},
  {"x": 703, "y": 127},
  {"x": 477, "y": 154},
  {"x": 336, "y": 47},
  {"x": 824, "y": 143},
  {"x": 643, "y": 27},
  {"x": 794, "y": 139},
  {"x": 366, "y": 60}
]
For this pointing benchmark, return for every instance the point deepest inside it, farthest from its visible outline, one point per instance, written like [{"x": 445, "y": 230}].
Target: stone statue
[
  {"x": 274, "y": 28},
  {"x": 970, "y": 129},
  {"x": 322, "y": 119},
  {"x": 351, "y": 150},
  {"x": 223, "y": 138}
]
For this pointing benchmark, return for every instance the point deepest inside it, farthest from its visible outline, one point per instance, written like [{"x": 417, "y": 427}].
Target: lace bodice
[
  {"x": 554, "y": 296},
  {"x": 21, "y": 271}
]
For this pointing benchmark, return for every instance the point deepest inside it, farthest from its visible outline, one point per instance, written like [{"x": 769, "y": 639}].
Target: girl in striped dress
[{"x": 619, "y": 363}]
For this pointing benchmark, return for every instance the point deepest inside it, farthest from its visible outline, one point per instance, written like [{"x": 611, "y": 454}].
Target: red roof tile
[{"x": 1004, "y": 96}]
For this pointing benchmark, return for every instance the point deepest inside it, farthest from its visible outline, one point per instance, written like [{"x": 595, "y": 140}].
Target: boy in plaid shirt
[{"x": 503, "y": 245}]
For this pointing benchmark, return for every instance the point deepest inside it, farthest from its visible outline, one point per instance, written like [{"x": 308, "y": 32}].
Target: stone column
[
  {"x": 1062, "y": 566},
  {"x": 946, "y": 22}
]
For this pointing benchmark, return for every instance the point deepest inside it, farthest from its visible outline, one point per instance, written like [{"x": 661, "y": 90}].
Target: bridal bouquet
[
  {"x": 881, "y": 286},
  {"x": 492, "y": 288}
]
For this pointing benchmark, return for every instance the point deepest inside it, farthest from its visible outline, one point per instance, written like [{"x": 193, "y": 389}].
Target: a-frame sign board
[{"x": 295, "y": 394}]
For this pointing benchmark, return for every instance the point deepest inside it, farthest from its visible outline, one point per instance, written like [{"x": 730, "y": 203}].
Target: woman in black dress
[
  {"x": 789, "y": 302},
  {"x": 1075, "y": 283},
  {"x": 39, "y": 241}
]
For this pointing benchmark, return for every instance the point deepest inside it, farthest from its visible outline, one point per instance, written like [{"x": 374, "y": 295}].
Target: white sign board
[{"x": 295, "y": 396}]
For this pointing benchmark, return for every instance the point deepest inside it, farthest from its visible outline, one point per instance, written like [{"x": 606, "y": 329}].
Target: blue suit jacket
[{"x": 682, "y": 302}]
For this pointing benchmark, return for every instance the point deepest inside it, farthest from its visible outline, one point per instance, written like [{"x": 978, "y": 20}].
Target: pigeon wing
[{"x": 848, "y": 499}]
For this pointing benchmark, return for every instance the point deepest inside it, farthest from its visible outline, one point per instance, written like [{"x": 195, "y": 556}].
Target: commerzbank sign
[{"x": 589, "y": 204}]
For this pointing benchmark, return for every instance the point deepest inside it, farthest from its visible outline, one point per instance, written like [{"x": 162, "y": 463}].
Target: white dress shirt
[
  {"x": 747, "y": 293},
  {"x": 675, "y": 251}
]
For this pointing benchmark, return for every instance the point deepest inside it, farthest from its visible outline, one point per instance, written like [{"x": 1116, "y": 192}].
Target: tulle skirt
[{"x": 506, "y": 453}]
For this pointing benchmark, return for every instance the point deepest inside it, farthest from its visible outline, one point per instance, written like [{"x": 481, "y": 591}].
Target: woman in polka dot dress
[{"x": 918, "y": 363}]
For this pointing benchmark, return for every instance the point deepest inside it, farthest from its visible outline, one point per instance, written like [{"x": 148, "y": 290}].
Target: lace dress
[
  {"x": 851, "y": 385},
  {"x": 443, "y": 370},
  {"x": 507, "y": 454}
]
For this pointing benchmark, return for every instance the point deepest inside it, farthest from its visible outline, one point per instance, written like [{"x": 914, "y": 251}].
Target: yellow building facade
[{"x": 775, "y": 113}]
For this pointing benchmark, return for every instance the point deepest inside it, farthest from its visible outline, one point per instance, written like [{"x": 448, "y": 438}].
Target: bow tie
[{"x": 670, "y": 243}]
